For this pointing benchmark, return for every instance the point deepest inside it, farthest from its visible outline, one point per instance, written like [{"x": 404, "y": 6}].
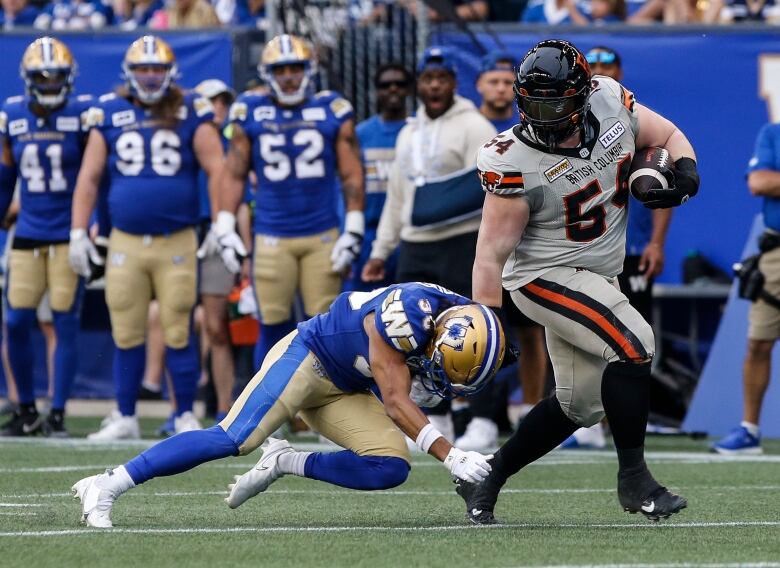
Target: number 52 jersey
[{"x": 578, "y": 196}]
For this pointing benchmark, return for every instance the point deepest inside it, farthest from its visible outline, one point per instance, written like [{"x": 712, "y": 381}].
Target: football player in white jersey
[{"x": 553, "y": 233}]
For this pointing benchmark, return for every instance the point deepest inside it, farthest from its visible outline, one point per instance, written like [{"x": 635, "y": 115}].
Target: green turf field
[{"x": 562, "y": 511}]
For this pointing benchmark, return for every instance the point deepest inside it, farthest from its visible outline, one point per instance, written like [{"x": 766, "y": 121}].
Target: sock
[
  {"x": 117, "y": 480},
  {"x": 128, "y": 373},
  {"x": 294, "y": 463},
  {"x": 180, "y": 453},
  {"x": 347, "y": 469},
  {"x": 542, "y": 430},
  {"x": 625, "y": 393},
  {"x": 751, "y": 428},
  {"x": 184, "y": 366},
  {"x": 270, "y": 335},
  {"x": 66, "y": 327},
  {"x": 19, "y": 324}
]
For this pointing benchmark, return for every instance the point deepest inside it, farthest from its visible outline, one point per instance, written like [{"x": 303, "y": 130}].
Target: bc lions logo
[
  {"x": 456, "y": 332},
  {"x": 490, "y": 180}
]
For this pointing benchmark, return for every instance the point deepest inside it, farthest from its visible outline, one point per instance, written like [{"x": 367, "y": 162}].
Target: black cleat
[
  {"x": 643, "y": 494},
  {"x": 22, "y": 423},
  {"x": 480, "y": 500},
  {"x": 54, "y": 427}
]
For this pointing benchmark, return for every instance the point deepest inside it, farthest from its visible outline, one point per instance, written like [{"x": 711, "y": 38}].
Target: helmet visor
[
  {"x": 48, "y": 81},
  {"x": 547, "y": 110}
]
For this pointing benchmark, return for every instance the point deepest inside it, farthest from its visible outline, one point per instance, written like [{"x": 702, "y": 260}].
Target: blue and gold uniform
[
  {"x": 151, "y": 172},
  {"x": 43, "y": 135},
  {"x": 293, "y": 139},
  {"x": 322, "y": 372}
]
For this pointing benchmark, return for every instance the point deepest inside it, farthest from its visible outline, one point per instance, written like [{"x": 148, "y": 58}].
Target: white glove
[
  {"x": 209, "y": 245},
  {"x": 231, "y": 247},
  {"x": 423, "y": 397},
  {"x": 347, "y": 247},
  {"x": 81, "y": 251},
  {"x": 468, "y": 466}
]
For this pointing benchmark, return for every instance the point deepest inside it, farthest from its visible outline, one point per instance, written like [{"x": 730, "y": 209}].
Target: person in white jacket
[{"x": 434, "y": 166}]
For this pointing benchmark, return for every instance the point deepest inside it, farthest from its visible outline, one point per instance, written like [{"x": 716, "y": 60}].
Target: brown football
[{"x": 647, "y": 171}]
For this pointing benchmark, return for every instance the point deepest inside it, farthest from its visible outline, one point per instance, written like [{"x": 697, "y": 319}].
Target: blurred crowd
[{"x": 176, "y": 14}]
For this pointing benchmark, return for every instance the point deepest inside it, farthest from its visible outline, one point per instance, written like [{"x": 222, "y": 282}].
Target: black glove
[
  {"x": 511, "y": 352},
  {"x": 97, "y": 271},
  {"x": 683, "y": 181}
]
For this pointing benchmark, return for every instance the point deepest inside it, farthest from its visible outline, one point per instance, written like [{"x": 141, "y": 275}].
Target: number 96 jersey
[
  {"x": 47, "y": 153},
  {"x": 152, "y": 168},
  {"x": 294, "y": 157},
  {"x": 578, "y": 196}
]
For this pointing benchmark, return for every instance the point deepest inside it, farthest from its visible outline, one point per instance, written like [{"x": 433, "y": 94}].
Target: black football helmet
[{"x": 552, "y": 85}]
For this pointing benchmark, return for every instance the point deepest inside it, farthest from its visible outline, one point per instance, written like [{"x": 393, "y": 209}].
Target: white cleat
[
  {"x": 186, "y": 423},
  {"x": 96, "y": 501},
  {"x": 117, "y": 427},
  {"x": 257, "y": 479},
  {"x": 481, "y": 435}
]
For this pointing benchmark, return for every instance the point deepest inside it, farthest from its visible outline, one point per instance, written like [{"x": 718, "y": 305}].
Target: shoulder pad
[
  {"x": 497, "y": 175},
  {"x": 202, "y": 106},
  {"x": 340, "y": 107},
  {"x": 93, "y": 117},
  {"x": 325, "y": 94},
  {"x": 402, "y": 321},
  {"x": 613, "y": 89}
]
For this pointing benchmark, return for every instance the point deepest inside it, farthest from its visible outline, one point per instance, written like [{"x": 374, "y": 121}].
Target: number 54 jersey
[
  {"x": 47, "y": 153},
  {"x": 294, "y": 156},
  {"x": 578, "y": 196}
]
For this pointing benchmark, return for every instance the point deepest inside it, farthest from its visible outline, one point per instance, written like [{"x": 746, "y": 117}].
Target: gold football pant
[{"x": 292, "y": 381}]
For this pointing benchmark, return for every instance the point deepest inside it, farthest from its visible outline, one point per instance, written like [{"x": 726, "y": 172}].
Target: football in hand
[{"x": 650, "y": 169}]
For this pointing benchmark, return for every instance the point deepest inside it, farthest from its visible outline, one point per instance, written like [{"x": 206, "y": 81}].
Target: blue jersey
[
  {"x": 767, "y": 157},
  {"x": 377, "y": 143},
  {"x": 294, "y": 157},
  {"x": 639, "y": 229},
  {"x": 403, "y": 314},
  {"x": 152, "y": 169},
  {"x": 503, "y": 124},
  {"x": 47, "y": 153}
]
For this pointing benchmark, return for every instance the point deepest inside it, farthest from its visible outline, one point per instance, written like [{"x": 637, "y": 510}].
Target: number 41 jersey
[
  {"x": 294, "y": 156},
  {"x": 578, "y": 196}
]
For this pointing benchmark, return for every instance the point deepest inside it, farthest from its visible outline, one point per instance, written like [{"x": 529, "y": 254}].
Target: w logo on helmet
[{"x": 455, "y": 333}]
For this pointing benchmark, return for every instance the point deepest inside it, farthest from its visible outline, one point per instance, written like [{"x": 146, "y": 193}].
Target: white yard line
[
  {"x": 330, "y": 529},
  {"x": 20, "y": 505},
  {"x": 388, "y": 493},
  {"x": 669, "y": 565}
]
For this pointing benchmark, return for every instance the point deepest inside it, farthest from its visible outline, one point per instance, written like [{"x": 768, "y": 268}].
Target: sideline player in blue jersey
[
  {"x": 43, "y": 141},
  {"x": 297, "y": 143},
  {"x": 495, "y": 85},
  {"x": 326, "y": 370},
  {"x": 150, "y": 139},
  {"x": 377, "y": 136}
]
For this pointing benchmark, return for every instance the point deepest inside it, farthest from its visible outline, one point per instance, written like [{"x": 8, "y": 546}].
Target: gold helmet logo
[
  {"x": 48, "y": 69},
  {"x": 466, "y": 351},
  {"x": 149, "y": 50}
]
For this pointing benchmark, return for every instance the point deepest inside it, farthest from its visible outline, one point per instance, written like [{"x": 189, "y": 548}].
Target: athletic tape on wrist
[{"x": 427, "y": 436}]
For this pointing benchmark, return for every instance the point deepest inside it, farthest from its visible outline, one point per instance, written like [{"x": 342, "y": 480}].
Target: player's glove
[
  {"x": 347, "y": 247},
  {"x": 97, "y": 271},
  {"x": 468, "y": 466},
  {"x": 422, "y": 396},
  {"x": 81, "y": 252},
  {"x": 230, "y": 246},
  {"x": 683, "y": 181}
]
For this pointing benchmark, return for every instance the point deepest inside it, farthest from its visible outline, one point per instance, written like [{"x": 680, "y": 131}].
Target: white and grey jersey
[{"x": 578, "y": 196}]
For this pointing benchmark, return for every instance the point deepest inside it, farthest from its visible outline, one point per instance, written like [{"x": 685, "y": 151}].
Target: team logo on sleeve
[
  {"x": 202, "y": 106},
  {"x": 397, "y": 326},
  {"x": 238, "y": 111},
  {"x": 93, "y": 117},
  {"x": 558, "y": 170},
  {"x": 3, "y": 122},
  {"x": 340, "y": 107},
  {"x": 493, "y": 181},
  {"x": 181, "y": 114}
]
